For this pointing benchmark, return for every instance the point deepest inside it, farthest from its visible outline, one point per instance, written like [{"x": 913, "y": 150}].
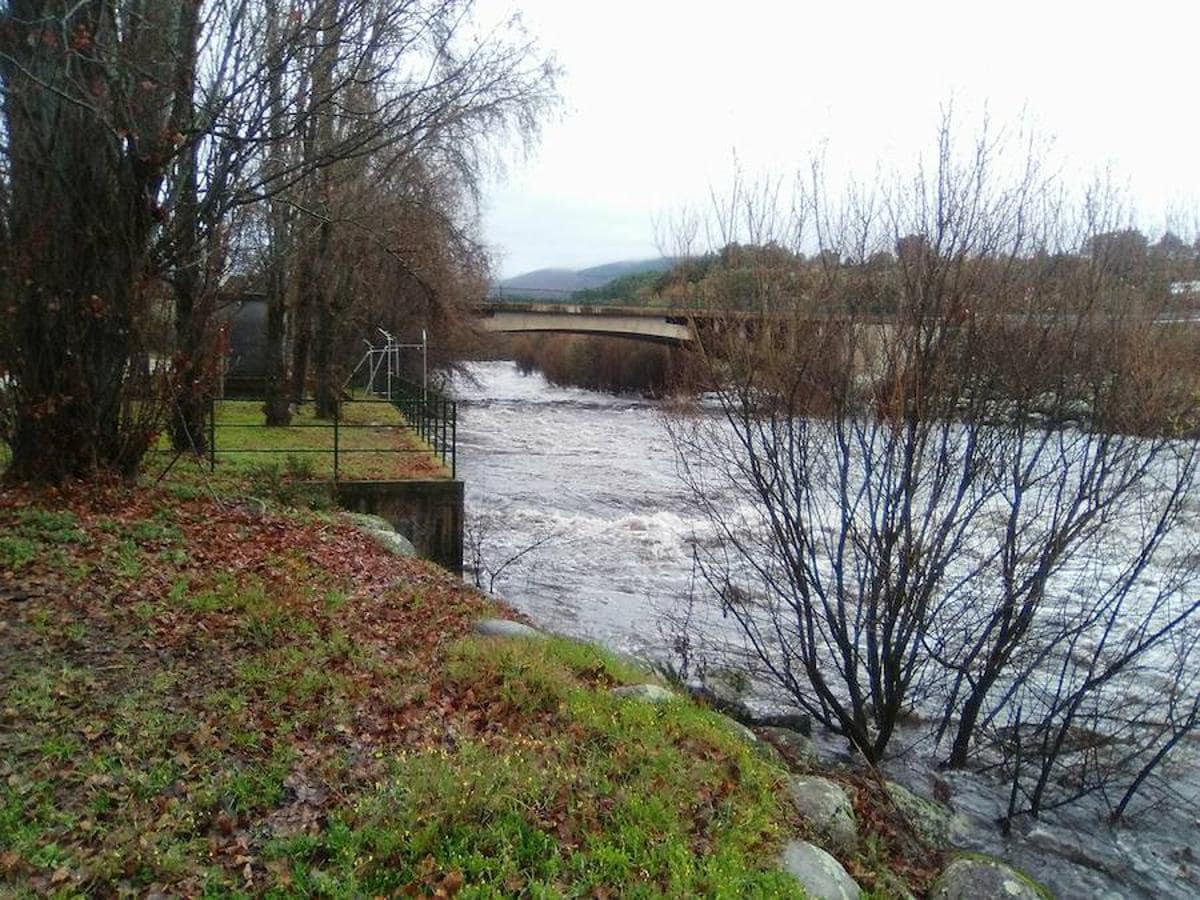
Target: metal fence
[
  {"x": 426, "y": 414},
  {"x": 433, "y": 416}
]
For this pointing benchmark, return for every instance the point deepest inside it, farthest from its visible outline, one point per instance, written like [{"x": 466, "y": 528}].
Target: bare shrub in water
[
  {"x": 615, "y": 365},
  {"x": 962, "y": 500}
]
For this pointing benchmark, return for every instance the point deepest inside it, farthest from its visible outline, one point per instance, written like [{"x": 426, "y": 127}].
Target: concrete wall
[{"x": 428, "y": 513}]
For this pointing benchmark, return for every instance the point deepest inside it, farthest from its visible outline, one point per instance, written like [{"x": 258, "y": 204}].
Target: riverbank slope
[{"x": 207, "y": 694}]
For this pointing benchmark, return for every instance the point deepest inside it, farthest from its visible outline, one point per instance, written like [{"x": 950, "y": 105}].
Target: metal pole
[
  {"x": 336, "y": 416},
  {"x": 443, "y": 424},
  {"x": 390, "y": 359},
  {"x": 212, "y": 434},
  {"x": 376, "y": 360},
  {"x": 424, "y": 365},
  {"x": 454, "y": 439}
]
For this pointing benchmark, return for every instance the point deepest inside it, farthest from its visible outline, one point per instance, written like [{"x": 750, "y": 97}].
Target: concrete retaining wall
[{"x": 428, "y": 513}]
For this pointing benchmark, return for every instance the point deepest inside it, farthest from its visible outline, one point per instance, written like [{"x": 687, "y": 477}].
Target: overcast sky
[{"x": 659, "y": 96}]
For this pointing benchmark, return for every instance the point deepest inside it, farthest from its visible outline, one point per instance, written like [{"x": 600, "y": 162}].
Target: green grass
[
  {"x": 293, "y": 465},
  {"x": 201, "y": 702},
  {"x": 606, "y": 797},
  {"x": 368, "y": 432},
  {"x": 35, "y": 532}
]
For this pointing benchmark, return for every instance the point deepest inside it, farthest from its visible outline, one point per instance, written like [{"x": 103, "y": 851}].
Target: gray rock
[
  {"x": 253, "y": 506},
  {"x": 825, "y": 805},
  {"x": 821, "y": 876},
  {"x": 739, "y": 729},
  {"x": 382, "y": 532},
  {"x": 505, "y": 628},
  {"x": 935, "y": 823},
  {"x": 801, "y": 722},
  {"x": 722, "y": 701},
  {"x": 368, "y": 521},
  {"x": 983, "y": 878},
  {"x": 650, "y": 693},
  {"x": 393, "y": 541},
  {"x": 797, "y": 750},
  {"x": 730, "y": 685}
]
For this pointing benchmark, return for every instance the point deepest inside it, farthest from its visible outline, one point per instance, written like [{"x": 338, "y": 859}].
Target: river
[{"x": 590, "y": 480}]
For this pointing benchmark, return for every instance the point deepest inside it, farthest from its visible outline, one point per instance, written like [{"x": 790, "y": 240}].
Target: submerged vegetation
[{"x": 610, "y": 364}]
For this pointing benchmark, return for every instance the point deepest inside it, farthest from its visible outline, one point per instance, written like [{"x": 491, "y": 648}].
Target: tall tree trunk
[
  {"x": 327, "y": 389},
  {"x": 307, "y": 299},
  {"x": 81, "y": 215},
  {"x": 276, "y": 407},
  {"x": 193, "y": 367},
  {"x": 323, "y": 283}
]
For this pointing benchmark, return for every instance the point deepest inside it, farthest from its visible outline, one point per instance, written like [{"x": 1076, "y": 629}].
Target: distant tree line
[
  {"x": 157, "y": 159},
  {"x": 741, "y": 273}
]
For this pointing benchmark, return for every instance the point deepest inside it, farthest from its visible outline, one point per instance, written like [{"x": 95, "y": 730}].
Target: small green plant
[
  {"x": 147, "y": 531},
  {"x": 176, "y": 556},
  {"x": 127, "y": 560},
  {"x": 299, "y": 468},
  {"x": 52, "y": 526},
  {"x": 16, "y": 552}
]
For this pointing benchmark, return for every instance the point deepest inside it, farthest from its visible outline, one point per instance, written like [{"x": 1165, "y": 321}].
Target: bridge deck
[{"x": 645, "y": 323}]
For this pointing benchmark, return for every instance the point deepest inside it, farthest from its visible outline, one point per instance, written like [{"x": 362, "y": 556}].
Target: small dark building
[{"x": 246, "y": 366}]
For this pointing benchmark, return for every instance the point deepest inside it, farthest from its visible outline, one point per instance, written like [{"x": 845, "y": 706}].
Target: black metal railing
[
  {"x": 428, "y": 415},
  {"x": 434, "y": 416}
]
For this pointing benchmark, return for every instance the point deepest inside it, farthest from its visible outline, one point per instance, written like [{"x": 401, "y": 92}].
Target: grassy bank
[
  {"x": 201, "y": 698},
  {"x": 374, "y": 442}
]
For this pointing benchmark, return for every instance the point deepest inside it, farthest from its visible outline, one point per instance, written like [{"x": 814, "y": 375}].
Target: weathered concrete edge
[{"x": 428, "y": 512}]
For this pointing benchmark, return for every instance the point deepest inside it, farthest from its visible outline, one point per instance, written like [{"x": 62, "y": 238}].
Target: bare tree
[
  {"x": 140, "y": 141},
  {"x": 482, "y": 562},
  {"x": 948, "y": 483}
]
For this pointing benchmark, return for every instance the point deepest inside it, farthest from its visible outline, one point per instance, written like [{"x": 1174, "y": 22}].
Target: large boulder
[
  {"x": 393, "y": 542},
  {"x": 723, "y": 692},
  {"x": 382, "y": 532},
  {"x": 797, "y": 750},
  {"x": 821, "y": 876},
  {"x": 826, "y": 807},
  {"x": 799, "y": 722},
  {"x": 649, "y": 693},
  {"x": 368, "y": 522},
  {"x": 739, "y": 729},
  {"x": 984, "y": 878},
  {"x": 505, "y": 628},
  {"x": 934, "y": 823}
]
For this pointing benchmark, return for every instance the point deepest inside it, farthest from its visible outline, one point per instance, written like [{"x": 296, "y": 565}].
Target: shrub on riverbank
[{"x": 613, "y": 365}]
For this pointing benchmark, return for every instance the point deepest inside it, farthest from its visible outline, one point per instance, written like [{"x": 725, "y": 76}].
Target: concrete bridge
[
  {"x": 678, "y": 327},
  {"x": 663, "y": 326}
]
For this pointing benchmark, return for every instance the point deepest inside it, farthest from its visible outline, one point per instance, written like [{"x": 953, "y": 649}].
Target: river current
[{"x": 575, "y": 508}]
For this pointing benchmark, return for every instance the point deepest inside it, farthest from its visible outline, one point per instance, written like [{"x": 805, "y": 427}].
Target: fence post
[
  {"x": 443, "y": 426},
  {"x": 454, "y": 439},
  {"x": 212, "y": 434},
  {"x": 336, "y": 417}
]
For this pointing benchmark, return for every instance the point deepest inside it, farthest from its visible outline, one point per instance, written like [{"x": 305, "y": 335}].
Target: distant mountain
[{"x": 559, "y": 284}]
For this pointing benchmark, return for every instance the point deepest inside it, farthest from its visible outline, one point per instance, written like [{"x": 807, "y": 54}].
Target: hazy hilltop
[{"x": 559, "y": 284}]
